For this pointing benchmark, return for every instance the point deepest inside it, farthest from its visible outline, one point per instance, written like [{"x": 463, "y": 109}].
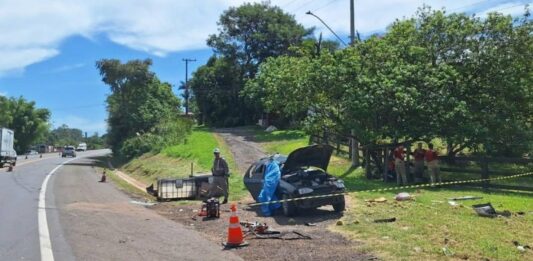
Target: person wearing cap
[
  {"x": 270, "y": 184},
  {"x": 220, "y": 172}
]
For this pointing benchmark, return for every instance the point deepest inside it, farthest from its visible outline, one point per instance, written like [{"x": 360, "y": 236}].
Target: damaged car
[{"x": 303, "y": 174}]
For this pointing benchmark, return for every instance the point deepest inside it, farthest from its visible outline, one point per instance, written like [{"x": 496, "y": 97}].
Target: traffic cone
[
  {"x": 10, "y": 168},
  {"x": 235, "y": 235}
]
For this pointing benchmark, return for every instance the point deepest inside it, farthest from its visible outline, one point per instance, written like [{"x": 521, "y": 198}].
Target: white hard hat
[{"x": 216, "y": 150}]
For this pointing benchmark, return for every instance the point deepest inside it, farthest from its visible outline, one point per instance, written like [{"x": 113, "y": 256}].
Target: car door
[{"x": 253, "y": 179}]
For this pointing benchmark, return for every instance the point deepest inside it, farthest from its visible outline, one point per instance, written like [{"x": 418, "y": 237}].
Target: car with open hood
[{"x": 303, "y": 174}]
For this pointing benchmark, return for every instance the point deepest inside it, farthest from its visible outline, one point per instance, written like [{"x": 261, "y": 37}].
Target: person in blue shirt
[{"x": 270, "y": 184}]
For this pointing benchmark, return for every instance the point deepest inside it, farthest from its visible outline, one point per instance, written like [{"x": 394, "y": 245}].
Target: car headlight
[
  {"x": 305, "y": 191},
  {"x": 339, "y": 184}
]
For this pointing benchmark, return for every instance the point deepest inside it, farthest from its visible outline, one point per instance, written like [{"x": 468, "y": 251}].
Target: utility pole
[
  {"x": 187, "y": 60},
  {"x": 353, "y": 142},
  {"x": 352, "y": 22}
]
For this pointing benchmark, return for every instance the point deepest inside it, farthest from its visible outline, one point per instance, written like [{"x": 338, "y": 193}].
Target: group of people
[{"x": 422, "y": 158}]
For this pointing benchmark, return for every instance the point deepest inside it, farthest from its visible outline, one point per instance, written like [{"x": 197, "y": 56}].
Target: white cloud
[
  {"x": 32, "y": 30},
  {"x": 82, "y": 123},
  {"x": 3, "y": 93},
  {"x": 67, "y": 67}
]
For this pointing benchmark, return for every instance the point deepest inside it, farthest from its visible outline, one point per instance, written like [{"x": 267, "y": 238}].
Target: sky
[{"x": 48, "y": 48}]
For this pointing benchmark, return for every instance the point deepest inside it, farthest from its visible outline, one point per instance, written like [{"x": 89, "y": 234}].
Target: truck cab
[{"x": 8, "y": 155}]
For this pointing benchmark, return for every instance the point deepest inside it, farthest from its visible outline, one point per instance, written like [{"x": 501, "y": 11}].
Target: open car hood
[{"x": 310, "y": 156}]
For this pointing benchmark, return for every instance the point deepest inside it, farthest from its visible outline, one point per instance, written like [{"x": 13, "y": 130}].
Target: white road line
[{"x": 44, "y": 233}]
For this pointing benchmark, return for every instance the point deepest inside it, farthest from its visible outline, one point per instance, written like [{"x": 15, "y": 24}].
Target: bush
[{"x": 166, "y": 133}]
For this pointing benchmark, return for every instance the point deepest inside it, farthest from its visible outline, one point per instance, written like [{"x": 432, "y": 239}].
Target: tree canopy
[
  {"x": 247, "y": 36},
  {"x": 28, "y": 122},
  {"x": 138, "y": 102},
  {"x": 461, "y": 78}
]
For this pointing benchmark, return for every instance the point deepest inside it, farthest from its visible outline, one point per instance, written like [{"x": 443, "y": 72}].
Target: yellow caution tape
[{"x": 392, "y": 188}]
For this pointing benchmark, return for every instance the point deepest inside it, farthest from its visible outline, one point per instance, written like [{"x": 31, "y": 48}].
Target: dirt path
[{"x": 245, "y": 150}]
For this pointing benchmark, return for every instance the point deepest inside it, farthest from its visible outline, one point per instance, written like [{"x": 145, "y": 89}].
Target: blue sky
[{"x": 49, "y": 48}]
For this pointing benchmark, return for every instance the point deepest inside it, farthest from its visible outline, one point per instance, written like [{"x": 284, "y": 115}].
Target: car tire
[
  {"x": 339, "y": 206},
  {"x": 289, "y": 208}
]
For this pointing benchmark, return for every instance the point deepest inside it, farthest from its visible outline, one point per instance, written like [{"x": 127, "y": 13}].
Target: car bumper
[{"x": 320, "y": 201}]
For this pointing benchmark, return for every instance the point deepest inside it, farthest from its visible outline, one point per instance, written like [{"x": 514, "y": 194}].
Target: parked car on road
[
  {"x": 68, "y": 151},
  {"x": 31, "y": 152},
  {"x": 303, "y": 173}
]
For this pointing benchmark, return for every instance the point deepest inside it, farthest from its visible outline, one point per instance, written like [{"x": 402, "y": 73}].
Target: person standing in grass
[
  {"x": 220, "y": 172},
  {"x": 433, "y": 164},
  {"x": 419, "y": 155},
  {"x": 399, "y": 165}
]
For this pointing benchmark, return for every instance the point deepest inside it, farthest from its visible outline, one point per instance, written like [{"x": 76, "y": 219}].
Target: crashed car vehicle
[{"x": 303, "y": 174}]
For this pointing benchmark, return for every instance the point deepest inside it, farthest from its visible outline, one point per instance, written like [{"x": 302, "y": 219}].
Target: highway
[{"x": 54, "y": 208}]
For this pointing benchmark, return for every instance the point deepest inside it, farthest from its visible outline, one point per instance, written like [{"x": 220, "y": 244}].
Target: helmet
[{"x": 216, "y": 150}]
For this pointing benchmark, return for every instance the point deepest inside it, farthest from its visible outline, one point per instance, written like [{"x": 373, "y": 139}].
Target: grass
[
  {"x": 175, "y": 161},
  {"x": 424, "y": 224}
]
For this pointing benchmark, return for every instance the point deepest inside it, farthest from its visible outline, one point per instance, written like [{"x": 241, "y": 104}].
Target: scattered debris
[
  {"x": 466, "y": 198},
  {"x": 403, "y": 196},
  {"x": 263, "y": 231},
  {"x": 453, "y": 203},
  {"x": 340, "y": 223},
  {"x": 447, "y": 252},
  {"x": 418, "y": 249},
  {"x": 142, "y": 203},
  {"x": 486, "y": 210},
  {"x": 378, "y": 200},
  {"x": 520, "y": 247},
  {"x": 271, "y": 128},
  {"x": 521, "y": 213},
  {"x": 437, "y": 201},
  {"x": 385, "y": 220}
]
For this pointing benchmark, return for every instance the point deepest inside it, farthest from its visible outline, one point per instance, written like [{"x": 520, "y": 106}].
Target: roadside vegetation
[{"x": 175, "y": 161}]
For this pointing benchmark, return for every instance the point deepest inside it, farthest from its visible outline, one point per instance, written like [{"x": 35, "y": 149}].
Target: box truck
[{"x": 8, "y": 155}]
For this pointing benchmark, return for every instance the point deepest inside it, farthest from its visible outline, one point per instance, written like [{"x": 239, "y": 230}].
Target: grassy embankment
[
  {"x": 175, "y": 161},
  {"x": 428, "y": 224}
]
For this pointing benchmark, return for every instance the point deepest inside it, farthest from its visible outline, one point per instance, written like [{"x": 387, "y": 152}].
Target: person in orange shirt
[
  {"x": 399, "y": 165},
  {"x": 433, "y": 164}
]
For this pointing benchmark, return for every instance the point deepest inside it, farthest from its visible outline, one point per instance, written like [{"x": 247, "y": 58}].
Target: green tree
[
  {"x": 64, "y": 135},
  {"x": 28, "y": 122},
  {"x": 138, "y": 100},
  {"x": 247, "y": 36},
  {"x": 455, "y": 76}
]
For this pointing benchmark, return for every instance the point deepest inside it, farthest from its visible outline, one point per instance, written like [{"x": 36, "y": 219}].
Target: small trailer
[{"x": 193, "y": 187}]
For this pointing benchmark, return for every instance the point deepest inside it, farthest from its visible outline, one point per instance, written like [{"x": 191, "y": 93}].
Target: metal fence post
[{"x": 485, "y": 172}]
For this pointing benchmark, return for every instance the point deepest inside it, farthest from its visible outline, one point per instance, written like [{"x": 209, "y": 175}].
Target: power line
[
  {"x": 330, "y": 2},
  {"x": 302, "y": 5}
]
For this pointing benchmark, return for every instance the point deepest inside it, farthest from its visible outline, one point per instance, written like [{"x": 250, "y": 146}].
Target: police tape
[{"x": 391, "y": 188}]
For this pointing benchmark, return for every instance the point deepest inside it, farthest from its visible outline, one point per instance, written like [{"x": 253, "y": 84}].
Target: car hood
[{"x": 310, "y": 156}]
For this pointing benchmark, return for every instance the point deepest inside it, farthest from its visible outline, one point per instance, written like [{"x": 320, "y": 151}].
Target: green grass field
[
  {"x": 175, "y": 161},
  {"x": 427, "y": 224}
]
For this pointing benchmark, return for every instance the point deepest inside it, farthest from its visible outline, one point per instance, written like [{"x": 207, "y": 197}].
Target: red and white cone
[{"x": 235, "y": 235}]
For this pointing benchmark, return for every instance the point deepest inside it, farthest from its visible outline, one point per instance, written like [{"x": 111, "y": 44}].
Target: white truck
[
  {"x": 82, "y": 147},
  {"x": 8, "y": 155}
]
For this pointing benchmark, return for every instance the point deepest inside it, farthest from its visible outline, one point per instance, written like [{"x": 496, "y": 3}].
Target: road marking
[{"x": 44, "y": 233}]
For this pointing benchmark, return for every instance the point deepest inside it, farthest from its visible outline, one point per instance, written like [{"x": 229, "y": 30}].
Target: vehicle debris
[
  {"x": 466, "y": 198},
  {"x": 520, "y": 247},
  {"x": 378, "y": 200},
  {"x": 486, "y": 210},
  {"x": 385, "y": 220},
  {"x": 142, "y": 203},
  {"x": 310, "y": 224},
  {"x": 403, "y": 196}
]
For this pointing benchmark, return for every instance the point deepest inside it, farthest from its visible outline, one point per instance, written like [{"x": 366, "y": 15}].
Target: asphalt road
[{"x": 78, "y": 218}]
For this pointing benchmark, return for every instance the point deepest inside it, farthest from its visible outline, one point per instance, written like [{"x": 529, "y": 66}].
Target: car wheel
[
  {"x": 339, "y": 206},
  {"x": 289, "y": 208}
]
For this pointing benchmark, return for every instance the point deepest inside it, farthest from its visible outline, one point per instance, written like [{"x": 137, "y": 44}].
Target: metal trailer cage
[{"x": 187, "y": 188}]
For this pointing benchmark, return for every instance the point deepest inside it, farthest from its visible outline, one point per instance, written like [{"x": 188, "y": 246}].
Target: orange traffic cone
[{"x": 235, "y": 235}]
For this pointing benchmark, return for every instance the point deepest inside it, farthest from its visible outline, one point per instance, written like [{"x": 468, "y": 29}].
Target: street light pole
[
  {"x": 352, "y": 22},
  {"x": 187, "y": 60},
  {"x": 324, "y": 23}
]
